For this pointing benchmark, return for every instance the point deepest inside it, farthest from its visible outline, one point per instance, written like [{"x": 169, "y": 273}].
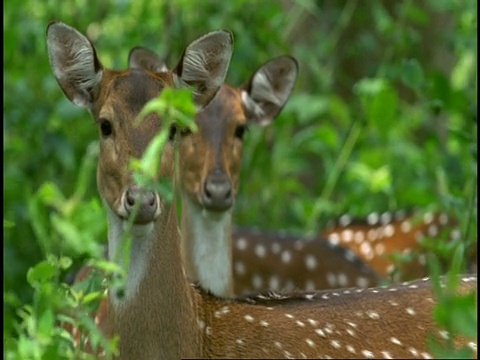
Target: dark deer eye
[
  {"x": 240, "y": 131},
  {"x": 173, "y": 131},
  {"x": 105, "y": 127}
]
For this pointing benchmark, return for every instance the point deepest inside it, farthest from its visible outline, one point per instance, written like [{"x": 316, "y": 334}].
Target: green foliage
[
  {"x": 383, "y": 117},
  {"x": 40, "y": 335}
]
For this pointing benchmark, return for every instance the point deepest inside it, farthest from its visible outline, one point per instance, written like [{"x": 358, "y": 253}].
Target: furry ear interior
[
  {"x": 140, "y": 57},
  {"x": 269, "y": 88},
  {"x": 204, "y": 64},
  {"x": 74, "y": 63}
]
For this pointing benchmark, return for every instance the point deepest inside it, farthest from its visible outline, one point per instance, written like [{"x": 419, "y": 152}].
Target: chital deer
[
  {"x": 278, "y": 260},
  {"x": 161, "y": 315},
  {"x": 208, "y": 183}
]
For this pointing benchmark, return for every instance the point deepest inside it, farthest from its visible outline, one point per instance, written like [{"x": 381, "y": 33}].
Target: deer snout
[
  {"x": 217, "y": 194},
  {"x": 144, "y": 204}
]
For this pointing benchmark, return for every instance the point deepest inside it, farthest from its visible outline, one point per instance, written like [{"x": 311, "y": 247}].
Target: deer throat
[
  {"x": 156, "y": 296},
  {"x": 207, "y": 248}
]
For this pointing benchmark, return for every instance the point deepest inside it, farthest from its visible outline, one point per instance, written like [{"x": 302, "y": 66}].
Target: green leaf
[
  {"x": 379, "y": 102},
  {"x": 50, "y": 194},
  {"x": 42, "y": 272},
  {"x": 46, "y": 324},
  {"x": 7, "y": 224},
  {"x": 64, "y": 262},
  {"x": 412, "y": 74}
]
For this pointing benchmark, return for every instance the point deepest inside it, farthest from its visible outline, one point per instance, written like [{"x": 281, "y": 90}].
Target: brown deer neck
[
  {"x": 157, "y": 311},
  {"x": 207, "y": 239}
]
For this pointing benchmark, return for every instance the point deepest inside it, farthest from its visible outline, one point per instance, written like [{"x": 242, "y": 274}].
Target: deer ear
[
  {"x": 204, "y": 64},
  {"x": 140, "y": 57},
  {"x": 74, "y": 63},
  {"x": 267, "y": 91}
]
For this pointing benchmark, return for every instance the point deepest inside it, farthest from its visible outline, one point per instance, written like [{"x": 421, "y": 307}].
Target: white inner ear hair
[
  {"x": 262, "y": 89},
  {"x": 206, "y": 60},
  {"x": 73, "y": 62}
]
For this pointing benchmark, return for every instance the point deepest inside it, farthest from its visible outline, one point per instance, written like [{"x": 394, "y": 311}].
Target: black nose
[
  {"x": 142, "y": 202},
  {"x": 217, "y": 191}
]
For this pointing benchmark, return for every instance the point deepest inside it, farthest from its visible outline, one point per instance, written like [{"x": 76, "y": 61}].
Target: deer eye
[
  {"x": 105, "y": 127},
  {"x": 173, "y": 131},
  {"x": 240, "y": 131}
]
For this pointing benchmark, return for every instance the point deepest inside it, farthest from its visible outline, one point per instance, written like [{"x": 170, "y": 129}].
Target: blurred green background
[{"x": 383, "y": 115}]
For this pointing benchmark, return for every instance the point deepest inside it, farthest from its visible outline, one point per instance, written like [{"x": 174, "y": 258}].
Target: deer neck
[
  {"x": 207, "y": 247},
  {"x": 156, "y": 314}
]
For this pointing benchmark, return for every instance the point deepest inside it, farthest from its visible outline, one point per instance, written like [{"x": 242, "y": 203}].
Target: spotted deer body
[
  {"x": 161, "y": 315},
  {"x": 348, "y": 252},
  {"x": 381, "y": 235},
  {"x": 282, "y": 262}
]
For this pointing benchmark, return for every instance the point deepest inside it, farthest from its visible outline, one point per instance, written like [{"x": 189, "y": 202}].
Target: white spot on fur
[
  {"x": 335, "y": 344},
  {"x": 386, "y": 218},
  {"x": 367, "y": 354},
  {"x": 443, "y": 219},
  {"x": 248, "y": 318},
  {"x": 274, "y": 283},
  {"x": 286, "y": 256},
  {"x": 372, "y": 235},
  {"x": 240, "y": 268},
  {"x": 342, "y": 279},
  {"x": 389, "y": 231},
  {"x": 432, "y": 230},
  {"x": 380, "y": 249},
  {"x": 373, "y": 314},
  {"x": 350, "y": 255},
  {"x": 362, "y": 282},
  {"x": 260, "y": 250},
  {"x": 413, "y": 351},
  {"x": 395, "y": 341},
  {"x": 410, "y": 311},
  {"x": 344, "y": 220},
  {"x": 331, "y": 279},
  {"x": 241, "y": 243},
  {"x": 347, "y": 235},
  {"x": 372, "y": 218},
  {"x": 334, "y": 238},
  {"x": 257, "y": 281},
  {"x": 310, "y": 262},
  {"x": 428, "y": 218},
  {"x": 359, "y": 237},
  {"x": 444, "y": 334},
  {"x": 351, "y": 349},
  {"x": 406, "y": 226},
  {"x": 386, "y": 355},
  {"x": 309, "y": 285}
]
